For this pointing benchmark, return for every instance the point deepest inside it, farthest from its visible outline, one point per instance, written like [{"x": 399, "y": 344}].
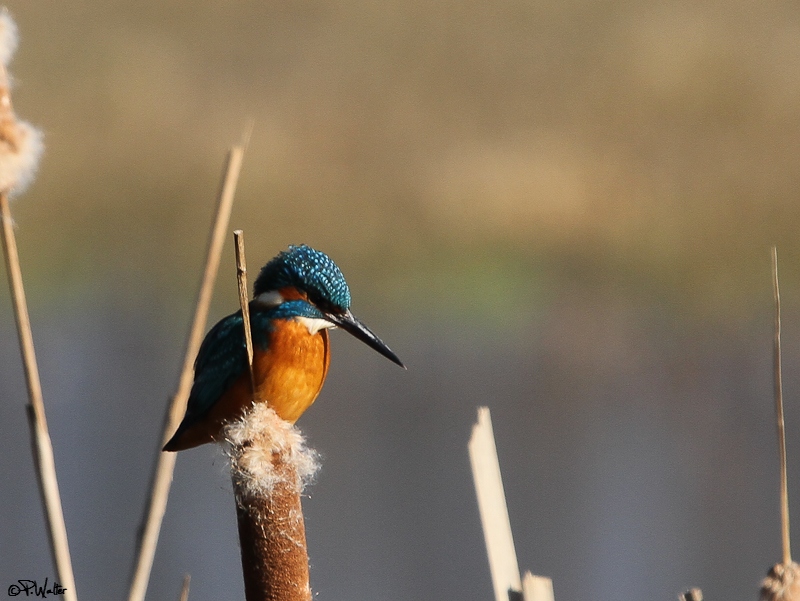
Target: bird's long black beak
[{"x": 348, "y": 322}]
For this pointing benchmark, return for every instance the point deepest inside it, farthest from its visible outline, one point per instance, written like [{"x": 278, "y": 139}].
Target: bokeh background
[{"x": 561, "y": 209}]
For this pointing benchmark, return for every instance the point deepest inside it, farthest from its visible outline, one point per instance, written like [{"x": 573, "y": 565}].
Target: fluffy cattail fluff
[
  {"x": 20, "y": 143},
  {"x": 255, "y": 440},
  {"x": 782, "y": 583},
  {"x": 8, "y": 37}
]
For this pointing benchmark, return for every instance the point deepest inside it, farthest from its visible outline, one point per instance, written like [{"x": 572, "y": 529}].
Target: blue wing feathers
[{"x": 222, "y": 358}]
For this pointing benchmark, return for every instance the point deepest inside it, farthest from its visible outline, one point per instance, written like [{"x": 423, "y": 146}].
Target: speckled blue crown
[{"x": 308, "y": 270}]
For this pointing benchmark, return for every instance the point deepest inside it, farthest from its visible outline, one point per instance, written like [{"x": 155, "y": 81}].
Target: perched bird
[{"x": 298, "y": 296}]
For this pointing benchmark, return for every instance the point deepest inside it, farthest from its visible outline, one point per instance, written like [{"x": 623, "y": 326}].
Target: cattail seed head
[
  {"x": 20, "y": 143},
  {"x": 21, "y": 147},
  {"x": 782, "y": 583},
  {"x": 254, "y": 442},
  {"x": 8, "y": 37},
  {"x": 270, "y": 464}
]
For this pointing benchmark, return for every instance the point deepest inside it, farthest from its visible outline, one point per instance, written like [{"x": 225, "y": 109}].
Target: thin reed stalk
[
  {"x": 20, "y": 149},
  {"x": 241, "y": 280},
  {"x": 164, "y": 464},
  {"x": 185, "y": 588},
  {"x": 778, "y": 383},
  {"x": 40, "y": 435},
  {"x": 783, "y": 579}
]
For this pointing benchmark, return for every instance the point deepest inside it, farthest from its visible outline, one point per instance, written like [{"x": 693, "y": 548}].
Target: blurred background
[{"x": 561, "y": 209}]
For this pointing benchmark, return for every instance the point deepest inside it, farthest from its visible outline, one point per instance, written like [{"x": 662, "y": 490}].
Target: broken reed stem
[
  {"x": 241, "y": 279},
  {"x": 536, "y": 588},
  {"x": 784, "y": 487},
  {"x": 42, "y": 445},
  {"x": 694, "y": 594},
  {"x": 185, "y": 588},
  {"x": 164, "y": 464},
  {"x": 492, "y": 506}
]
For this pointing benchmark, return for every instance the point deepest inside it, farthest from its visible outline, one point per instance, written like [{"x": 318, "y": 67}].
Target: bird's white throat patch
[
  {"x": 272, "y": 298},
  {"x": 315, "y": 324}
]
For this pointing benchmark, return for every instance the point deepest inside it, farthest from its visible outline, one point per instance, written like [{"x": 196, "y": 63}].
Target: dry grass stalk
[
  {"x": 270, "y": 465},
  {"x": 20, "y": 149},
  {"x": 165, "y": 462}
]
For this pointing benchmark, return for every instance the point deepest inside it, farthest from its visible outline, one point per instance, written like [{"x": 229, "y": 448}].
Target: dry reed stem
[
  {"x": 783, "y": 580},
  {"x": 42, "y": 445},
  {"x": 778, "y": 382},
  {"x": 20, "y": 148},
  {"x": 492, "y": 505},
  {"x": 537, "y": 588},
  {"x": 164, "y": 465},
  {"x": 241, "y": 280},
  {"x": 185, "y": 588}
]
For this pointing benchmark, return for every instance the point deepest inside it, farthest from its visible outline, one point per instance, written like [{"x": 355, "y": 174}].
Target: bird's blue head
[
  {"x": 309, "y": 271},
  {"x": 314, "y": 286}
]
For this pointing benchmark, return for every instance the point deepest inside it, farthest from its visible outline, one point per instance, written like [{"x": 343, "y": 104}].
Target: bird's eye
[{"x": 322, "y": 303}]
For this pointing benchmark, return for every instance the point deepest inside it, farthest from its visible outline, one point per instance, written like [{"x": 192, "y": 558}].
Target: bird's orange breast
[
  {"x": 288, "y": 376},
  {"x": 290, "y": 373}
]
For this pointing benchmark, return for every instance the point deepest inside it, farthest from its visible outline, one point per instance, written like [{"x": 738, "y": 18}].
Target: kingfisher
[{"x": 297, "y": 297}]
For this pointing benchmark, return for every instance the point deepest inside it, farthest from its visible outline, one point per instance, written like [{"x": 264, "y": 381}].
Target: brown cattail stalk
[
  {"x": 164, "y": 465},
  {"x": 270, "y": 464}
]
